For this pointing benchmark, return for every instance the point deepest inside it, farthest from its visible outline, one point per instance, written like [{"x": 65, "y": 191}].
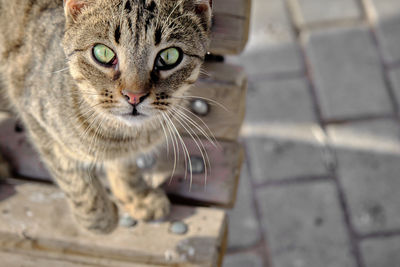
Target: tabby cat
[{"x": 94, "y": 81}]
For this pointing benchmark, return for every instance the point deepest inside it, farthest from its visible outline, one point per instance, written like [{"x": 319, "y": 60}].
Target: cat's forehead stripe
[
  {"x": 157, "y": 36},
  {"x": 117, "y": 34},
  {"x": 128, "y": 6}
]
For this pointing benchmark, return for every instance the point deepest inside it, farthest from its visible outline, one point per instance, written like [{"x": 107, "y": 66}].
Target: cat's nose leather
[{"x": 134, "y": 98}]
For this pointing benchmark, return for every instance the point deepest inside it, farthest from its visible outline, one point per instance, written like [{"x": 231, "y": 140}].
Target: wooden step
[
  {"x": 230, "y": 30},
  {"x": 35, "y": 221},
  {"x": 23, "y": 260},
  {"x": 218, "y": 188},
  {"x": 226, "y": 86}
]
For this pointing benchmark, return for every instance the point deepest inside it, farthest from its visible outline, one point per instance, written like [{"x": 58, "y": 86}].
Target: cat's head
[{"x": 133, "y": 60}]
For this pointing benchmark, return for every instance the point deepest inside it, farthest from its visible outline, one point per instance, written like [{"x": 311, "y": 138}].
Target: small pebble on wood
[
  {"x": 200, "y": 107},
  {"x": 178, "y": 228},
  {"x": 197, "y": 165},
  {"x": 127, "y": 221},
  {"x": 145, "y": 162}
]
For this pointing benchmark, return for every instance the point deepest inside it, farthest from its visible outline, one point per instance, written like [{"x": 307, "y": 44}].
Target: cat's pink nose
[{"x": 134, "y": 98}]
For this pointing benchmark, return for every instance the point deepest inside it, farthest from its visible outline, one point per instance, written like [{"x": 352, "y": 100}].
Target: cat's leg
[
  {"x": 139, "y": 200},
  {"x": 87, "y": 197}
]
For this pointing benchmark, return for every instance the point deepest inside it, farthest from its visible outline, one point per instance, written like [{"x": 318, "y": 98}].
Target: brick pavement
[{"x": 322, "y": 136}]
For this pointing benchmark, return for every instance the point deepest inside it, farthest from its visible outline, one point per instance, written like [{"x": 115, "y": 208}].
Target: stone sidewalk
[{"x": 321, "y": 185}]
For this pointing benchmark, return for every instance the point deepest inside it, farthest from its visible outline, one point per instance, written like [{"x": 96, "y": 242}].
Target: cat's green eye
[
  {"x": 169, "y": 58},
  {"x": 103, "y": 54}
]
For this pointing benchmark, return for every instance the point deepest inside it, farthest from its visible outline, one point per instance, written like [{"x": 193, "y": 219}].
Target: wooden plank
[
  {"x": 239, "y": 8},
  {"x": 222, "y": 180},
  {"x": 217, "y": 188},
  {"x": 35, "y": 221},
  {"x": 226, "y": 85},
  {"x": 231, "y": 23},
  {"x": 21, "y": 260},
  {"x": 16, "y": 148}
]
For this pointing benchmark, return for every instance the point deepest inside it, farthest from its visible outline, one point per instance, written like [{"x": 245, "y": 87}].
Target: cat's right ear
[{"x": 73, "y": 8}]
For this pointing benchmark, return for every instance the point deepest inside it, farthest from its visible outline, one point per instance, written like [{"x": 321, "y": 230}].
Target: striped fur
[{"x": 73, "y": 108}]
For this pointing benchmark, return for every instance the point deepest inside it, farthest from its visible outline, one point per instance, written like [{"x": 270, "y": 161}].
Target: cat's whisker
[
  {"x": 189, "y": 122},
  {"x": 95, "y": 137},
  {"x": 203, "y": 98},
  {"x": 169, "y": 25},
  {"x": 173, "y": 10},
  {"x": 177, "y": 147},
  {"x": 86, "y": 110},
  {"x": 58, "y": 71},
  {"x": 87, "y": 119},
  {"x": 83, "y": 93},
  {"x": 91, "y": 120},
  {"x": 165, "y": 134},
  {"x": 174, "y": 143},
  {"x": 197, "y": 140},
  {"x": 186, "y": 151},
  {"x": 198, "y": 127},
  {"x": 202, "y": 121},
  {"x": 205, "y": 72}
]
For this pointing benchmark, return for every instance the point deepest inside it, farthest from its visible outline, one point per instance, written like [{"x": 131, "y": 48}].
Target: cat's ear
[
  {"x": 203, "y": 6},
  {"x": 73, "y": 8},
  {"x": 204, "y": 9}
]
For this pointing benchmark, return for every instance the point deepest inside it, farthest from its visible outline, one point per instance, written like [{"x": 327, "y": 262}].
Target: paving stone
[
  {"x": 243, "y": 225},
  {"x": 388, "y": 32},
  {"x": 347, "y": 73},
  {"x": 274, "y": 159},
  {"x": 312, "y": 12},
  {"x": 243, "y": 260},
  {"x": 371, "y": 183},
  {"x": 378, "y": 9},
  {"x": 284, "y": 101},
  {"x": 270, "y": 23},
  {"x": 380, "y": 135},
  {"x": 385, "y": 15},
  {"x": 270, "y": 59},
  {"x": 394, "y": 75},
  {"x": 381, "y": 252},
  {"x": 305, "y": 226}
]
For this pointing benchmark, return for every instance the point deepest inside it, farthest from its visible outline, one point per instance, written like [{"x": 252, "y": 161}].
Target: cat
[{"x": 94, "y": 82}]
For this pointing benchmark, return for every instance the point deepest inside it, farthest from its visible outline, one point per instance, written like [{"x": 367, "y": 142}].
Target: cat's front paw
[
  {"x": 152, "y": 206},
  {"x": 102, "y": 221}
]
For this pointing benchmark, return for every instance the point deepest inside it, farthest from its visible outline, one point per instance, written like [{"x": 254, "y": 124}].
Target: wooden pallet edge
[{"x": 71, "y": 250}]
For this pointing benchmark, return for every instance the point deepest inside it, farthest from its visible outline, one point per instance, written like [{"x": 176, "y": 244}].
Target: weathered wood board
[
  {"x": 23, "y": 260},
  {"x": 226, "y": 86},
  {"x": 35, "y": 221},
  {"x": 222, "y": 179},
  {"x": 231, "y": 22},
  {"x": 217, "y": 188}
]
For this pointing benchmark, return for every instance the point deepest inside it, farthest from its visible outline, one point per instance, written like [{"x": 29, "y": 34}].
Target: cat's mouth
[{"x": 135, "y": 112}]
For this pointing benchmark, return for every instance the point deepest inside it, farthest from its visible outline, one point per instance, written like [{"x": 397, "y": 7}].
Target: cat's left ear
[
  {"x": 73, "y": 8},
  {"x": 203, "y": 6},
  {"x": 204, "y": 9}
]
